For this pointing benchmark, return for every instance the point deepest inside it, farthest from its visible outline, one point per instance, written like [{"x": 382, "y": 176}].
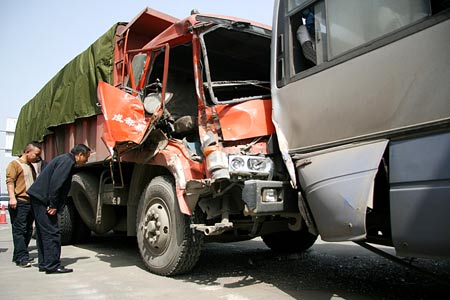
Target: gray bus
[{"x": 361, "y": 107}]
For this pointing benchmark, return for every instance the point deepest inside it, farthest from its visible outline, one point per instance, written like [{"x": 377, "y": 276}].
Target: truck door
[{"x": 131, "y": 112}]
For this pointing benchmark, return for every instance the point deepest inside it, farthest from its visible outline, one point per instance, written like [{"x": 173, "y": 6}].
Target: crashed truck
[{"x": 178, "y": 116}]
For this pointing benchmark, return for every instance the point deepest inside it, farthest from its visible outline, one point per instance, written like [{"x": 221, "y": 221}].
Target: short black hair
[
  {"x": 36, "y": 144},
  {"x": 80, "y": 148},
  {"x": 31, "y": 145}
]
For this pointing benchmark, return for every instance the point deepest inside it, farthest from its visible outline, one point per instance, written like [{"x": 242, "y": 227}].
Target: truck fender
[
  {"x": 173, "y": 162},
  {"x": 338, "y": 185}
]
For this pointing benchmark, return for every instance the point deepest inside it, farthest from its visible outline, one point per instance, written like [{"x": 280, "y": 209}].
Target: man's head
[
  {"x": 81, "y": 153},
  {"x": 32, "y": 152}
]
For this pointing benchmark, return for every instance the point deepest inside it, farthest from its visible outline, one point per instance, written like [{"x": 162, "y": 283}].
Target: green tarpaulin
[{"x": 69, "y": 95}]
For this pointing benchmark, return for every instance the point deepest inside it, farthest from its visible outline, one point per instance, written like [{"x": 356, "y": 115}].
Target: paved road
[{"x": 109, "y": 267}]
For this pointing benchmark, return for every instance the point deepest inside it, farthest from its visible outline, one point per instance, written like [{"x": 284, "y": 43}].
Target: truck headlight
[
  {"x": 237, "y": 163},
  {"x": 250, "y": 165},
  {"x": 257, "y": 164}
]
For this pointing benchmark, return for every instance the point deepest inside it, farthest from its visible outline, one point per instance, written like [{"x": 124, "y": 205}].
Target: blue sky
[{"x": 38, "y": 37}]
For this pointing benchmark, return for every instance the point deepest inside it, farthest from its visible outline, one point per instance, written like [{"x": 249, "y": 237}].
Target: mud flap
[{"x": 338, "y": 185}]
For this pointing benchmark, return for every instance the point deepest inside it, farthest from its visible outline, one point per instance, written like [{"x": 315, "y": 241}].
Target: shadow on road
[
  {"x": 325, "y": 271},
  {"x": 115, "y": 249},
  {"x": 67, "y": 261}
]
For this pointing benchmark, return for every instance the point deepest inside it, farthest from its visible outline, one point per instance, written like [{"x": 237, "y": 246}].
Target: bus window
[
  {"x": 308, "y": 36},
  {"x": 323, "y": 30},
  {"x": 354, "y": 22},
  {"x": 293, "y": 4}
]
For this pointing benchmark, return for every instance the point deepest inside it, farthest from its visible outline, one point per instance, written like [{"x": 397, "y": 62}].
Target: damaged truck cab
[
  {"x": 184, "y": 148},
  {"x": 199, "y": 97}
]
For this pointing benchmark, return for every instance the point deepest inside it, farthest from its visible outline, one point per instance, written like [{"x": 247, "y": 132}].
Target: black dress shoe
[{"x": 59, "y": 270}]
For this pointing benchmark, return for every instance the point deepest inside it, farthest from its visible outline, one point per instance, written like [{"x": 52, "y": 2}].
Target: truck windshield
[{"x": 236, "y": 63}]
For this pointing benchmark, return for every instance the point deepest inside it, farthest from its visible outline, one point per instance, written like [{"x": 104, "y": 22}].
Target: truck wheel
[
  {"x": 84, "y": 191},
  {"x": 167, "y": 244},
  {"x": 65, "y": 223},
  {"x": 290, "y": 241}
]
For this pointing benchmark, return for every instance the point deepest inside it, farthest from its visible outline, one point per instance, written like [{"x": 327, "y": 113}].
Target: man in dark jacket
[{"x": 48, "y": 194}]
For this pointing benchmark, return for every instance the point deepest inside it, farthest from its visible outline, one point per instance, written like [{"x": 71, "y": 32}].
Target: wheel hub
[{"x": 156, "y": 227}]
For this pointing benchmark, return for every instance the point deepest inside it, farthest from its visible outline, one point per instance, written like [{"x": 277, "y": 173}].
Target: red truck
[{"x": 178, "y": 116}]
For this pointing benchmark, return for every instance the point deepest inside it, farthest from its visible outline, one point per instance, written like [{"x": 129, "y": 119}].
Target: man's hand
[
  {"x": 51, "y": 211},
  {"x": 12, "y": 202}
]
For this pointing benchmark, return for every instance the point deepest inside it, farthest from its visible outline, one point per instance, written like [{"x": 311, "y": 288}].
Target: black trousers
[
  {"x": 48, "y": 237},
  {"x": 22, "y": 229}
]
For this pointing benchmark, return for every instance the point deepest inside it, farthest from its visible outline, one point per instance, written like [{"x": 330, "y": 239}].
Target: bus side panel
[
  {"x": 338, "y": 185},
  {"x": 420, "y": 196},
  {"x": 400, "y": 85}
]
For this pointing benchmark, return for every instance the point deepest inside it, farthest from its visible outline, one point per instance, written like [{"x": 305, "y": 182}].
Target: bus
[{"x": 361, "y": 107}]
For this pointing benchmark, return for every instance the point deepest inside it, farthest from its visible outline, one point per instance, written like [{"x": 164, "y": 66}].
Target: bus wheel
[
  {"x": 290, "y": 241},
  {"x": 167, "y": 244}
]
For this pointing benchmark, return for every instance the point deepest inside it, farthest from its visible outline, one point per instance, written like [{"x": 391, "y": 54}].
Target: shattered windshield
[{"x": 236, "y": 63}]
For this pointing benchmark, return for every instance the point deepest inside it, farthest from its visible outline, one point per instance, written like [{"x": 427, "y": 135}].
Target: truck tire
[
  {"x": 66, "y": 223},
  {"x": 84, "y": 192},
  {"x": 167, "y": 244},
  {"x": 290, "y": 241}
]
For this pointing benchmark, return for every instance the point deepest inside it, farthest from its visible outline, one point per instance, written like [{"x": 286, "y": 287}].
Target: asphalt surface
[{"x": 109, "y": 267}]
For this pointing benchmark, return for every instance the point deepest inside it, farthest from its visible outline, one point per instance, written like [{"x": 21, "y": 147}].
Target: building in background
[{"x": 5, "y": 150}]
